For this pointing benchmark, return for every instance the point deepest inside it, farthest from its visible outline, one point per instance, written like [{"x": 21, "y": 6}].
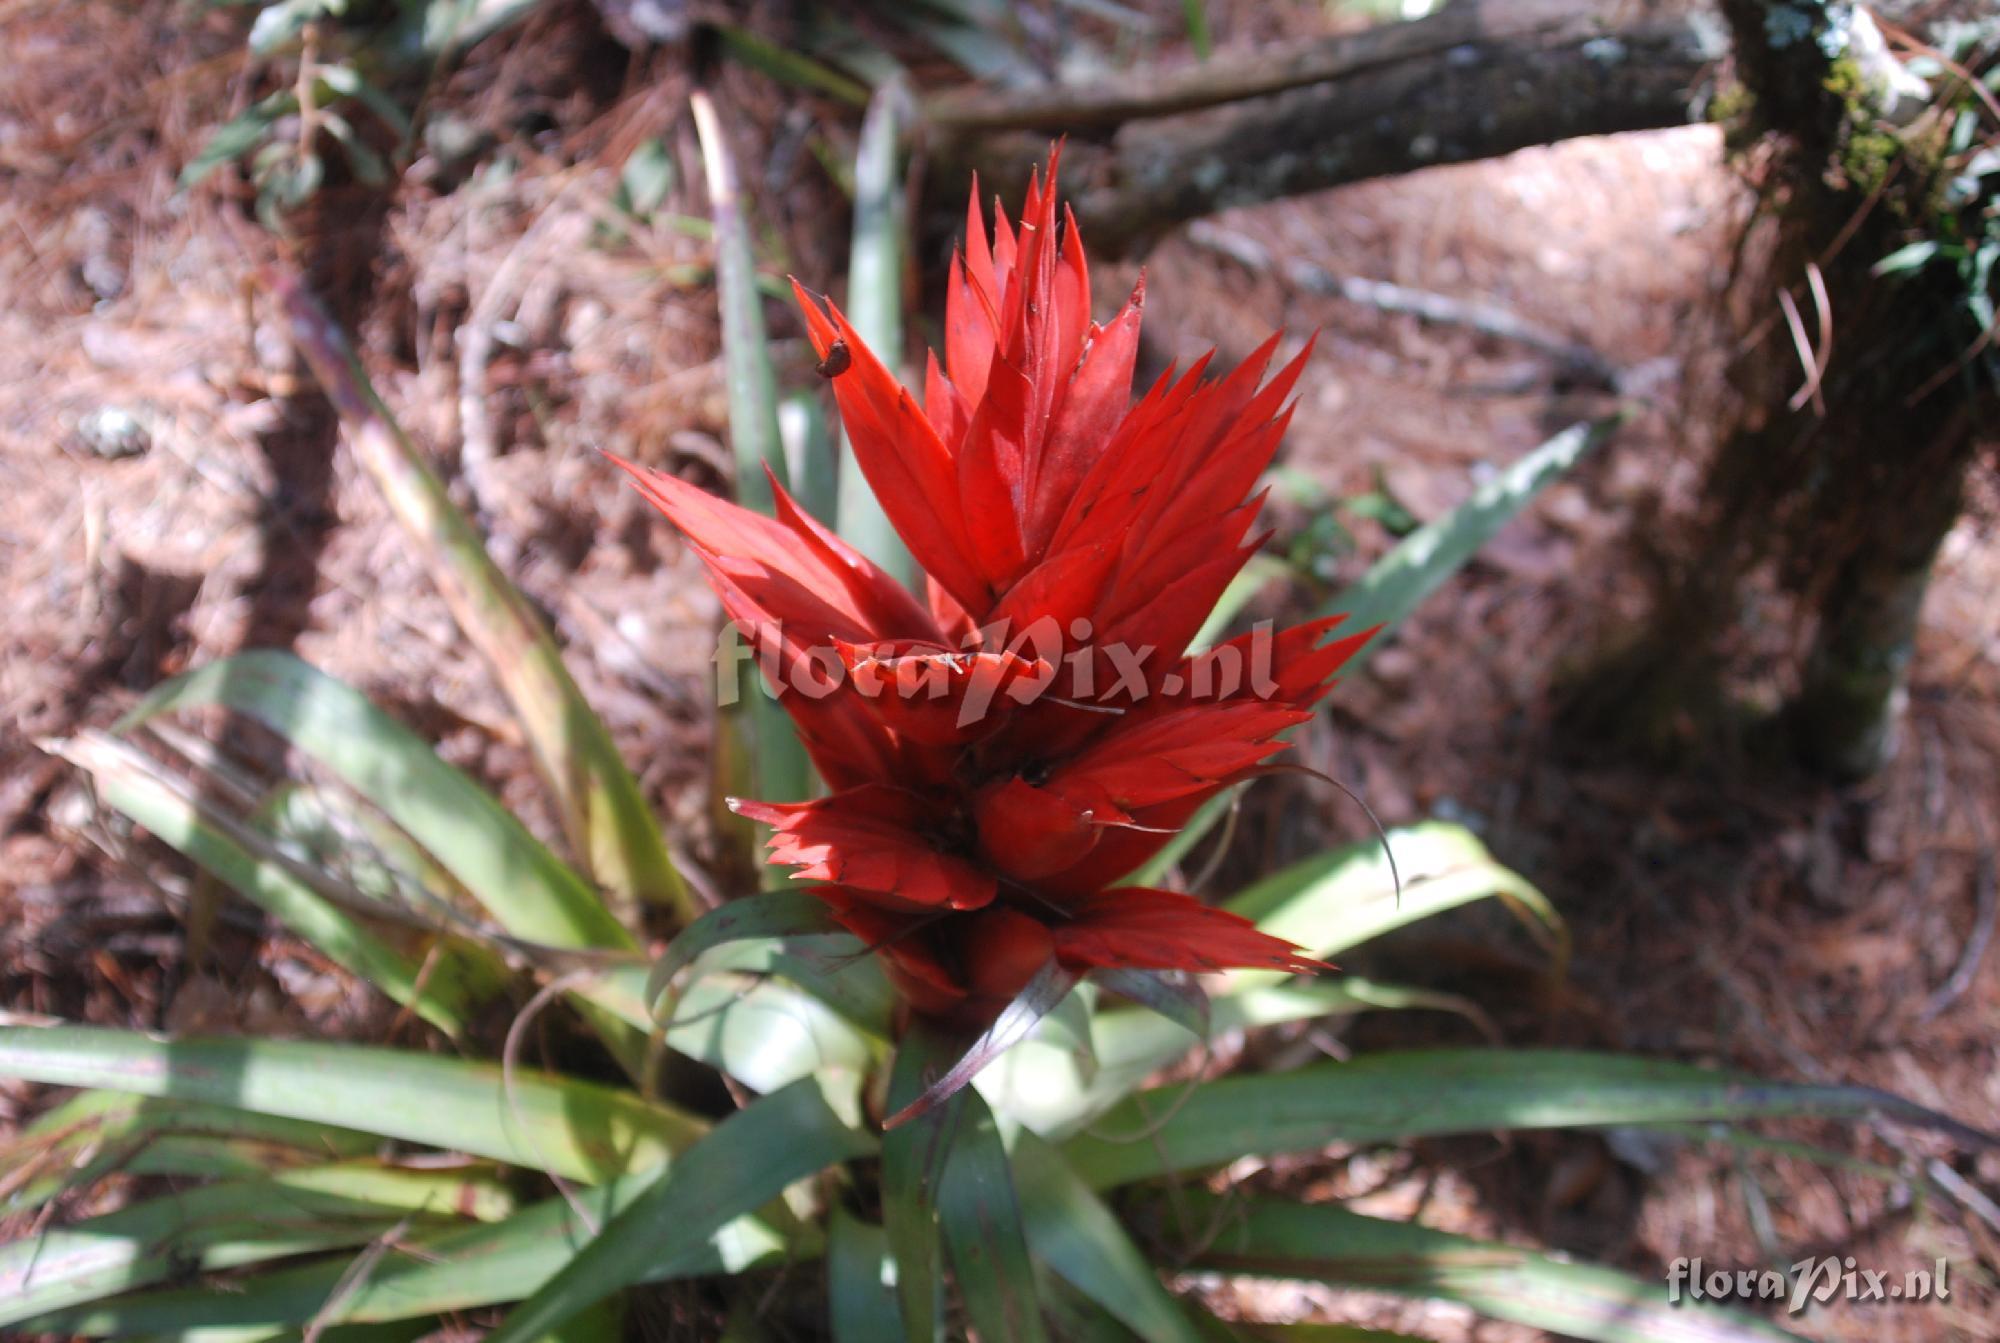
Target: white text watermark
[{"x": 1808, "y": 1282}]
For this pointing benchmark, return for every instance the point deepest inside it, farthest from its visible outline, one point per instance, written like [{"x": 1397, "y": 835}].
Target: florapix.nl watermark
[
  {"x": 994, "y": 667},
  {"x": 1809, "y": 1282}
]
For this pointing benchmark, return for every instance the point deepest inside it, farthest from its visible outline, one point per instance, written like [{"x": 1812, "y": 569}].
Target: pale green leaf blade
[
  {"x": 247, "y": 861},
  {"x": 1420, "y": 1093},
  {"x": 875, "y": 307},
  {"x": 570, "y": 1127},
  {"x": 427, "y": 1274},
  {"x": 229, "y": 1225},
  {"x": 1268, "y": 1237},
  {"x": 531, "y": 893},
  {"x": 602, "y": 811},
  {"x": 1424, "y": 559},
  {"x": 1339, "y": 899},
  {"x": 781, "y": 770},
  {"x": 743, "y": 1163},
  {"x": 1042, "y": 1088}
]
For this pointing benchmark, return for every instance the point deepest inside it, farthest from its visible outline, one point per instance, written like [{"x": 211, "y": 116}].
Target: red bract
[{"x": 1002, "y": 752}]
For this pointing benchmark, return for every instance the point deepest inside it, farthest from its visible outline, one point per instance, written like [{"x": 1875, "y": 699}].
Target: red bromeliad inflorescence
[{"x": 1002, "y": 752}]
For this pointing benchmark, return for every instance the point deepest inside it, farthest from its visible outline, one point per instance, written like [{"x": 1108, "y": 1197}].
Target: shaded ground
[{"x": 1719, "y": 914}]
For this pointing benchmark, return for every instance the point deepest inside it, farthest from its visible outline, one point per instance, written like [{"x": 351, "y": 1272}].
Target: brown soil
[{"x": 1722, "y": 912}]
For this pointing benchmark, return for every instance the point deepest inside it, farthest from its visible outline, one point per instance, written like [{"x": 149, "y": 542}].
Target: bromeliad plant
[{"x": 999, "y": 756}]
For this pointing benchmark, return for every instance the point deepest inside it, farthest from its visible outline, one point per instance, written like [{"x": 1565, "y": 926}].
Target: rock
[{"x": 112, "y": 432}]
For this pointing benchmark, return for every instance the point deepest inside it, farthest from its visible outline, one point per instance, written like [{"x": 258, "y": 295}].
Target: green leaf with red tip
[{"x": 1049, "y": 986}]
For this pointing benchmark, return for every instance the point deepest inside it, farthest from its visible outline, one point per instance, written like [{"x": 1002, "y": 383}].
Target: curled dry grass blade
[{"x": 603, "y": 814}]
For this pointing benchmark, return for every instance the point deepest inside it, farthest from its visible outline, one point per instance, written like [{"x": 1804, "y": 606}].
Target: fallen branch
[
  {"x": 1578, "y": 362},
  {"x": 1482, "y": 78}
]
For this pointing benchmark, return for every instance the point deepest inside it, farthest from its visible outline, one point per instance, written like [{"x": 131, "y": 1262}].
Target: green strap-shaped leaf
[
  {"x": 97, "y": 1133},
  {"x": 860, "y": 1279},
  {"x": 1076, "y": 1236},
  {"x": 228, "y": 1225},
  {"x": 780, "y": 769},
  {"x": 426, "y": 1273},
  {"x": 598, "y": 802},
  {"x": 744, "y": 1163},
  {"x": 913, "y": 1158},
  {"x": 770, "y": 914},
  {"x": 1042, "y": 1088},
  {"x": 1424, "y": 559},
  {"x": 875, "y": 306},
  {"x": 1388, "y": 1097},
  {"x": 532, "y": 893},
  {"x": 1339, "y": 899},
  {"x": 250, "y": 863},
  {"x": 981, "y": 1220},
  {"x": 563, "y": 1125},
  {"x": 1398, "y": 582},
  {"x": 1270, "y": 1237}
]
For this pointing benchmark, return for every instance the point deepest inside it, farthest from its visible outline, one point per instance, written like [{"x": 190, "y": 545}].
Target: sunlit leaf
[
  {"x": 583, "y": 1130},
  {"x": 251, "y": 864},
  {"x": 1267, "y": 1237},
  {"x": 1341, "y": 898},
  {"x": 425, "y": 1273},
  {"x": 875, "y": 307},
  {"x": 1078, "y": 1238},
  {"x": 781, "y": 771},
  {"x": 229, "y": 1225},
  {"x": 596, "y": 798},
  {"x": 1421, "y": 1093},
  {"x": 745, "y": 1162}
]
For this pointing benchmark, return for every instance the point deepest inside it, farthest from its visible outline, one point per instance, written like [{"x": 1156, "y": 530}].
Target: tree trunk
[
  {"x": 1846, "y": 487},
  {"x": 1150, "y": 150}
]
